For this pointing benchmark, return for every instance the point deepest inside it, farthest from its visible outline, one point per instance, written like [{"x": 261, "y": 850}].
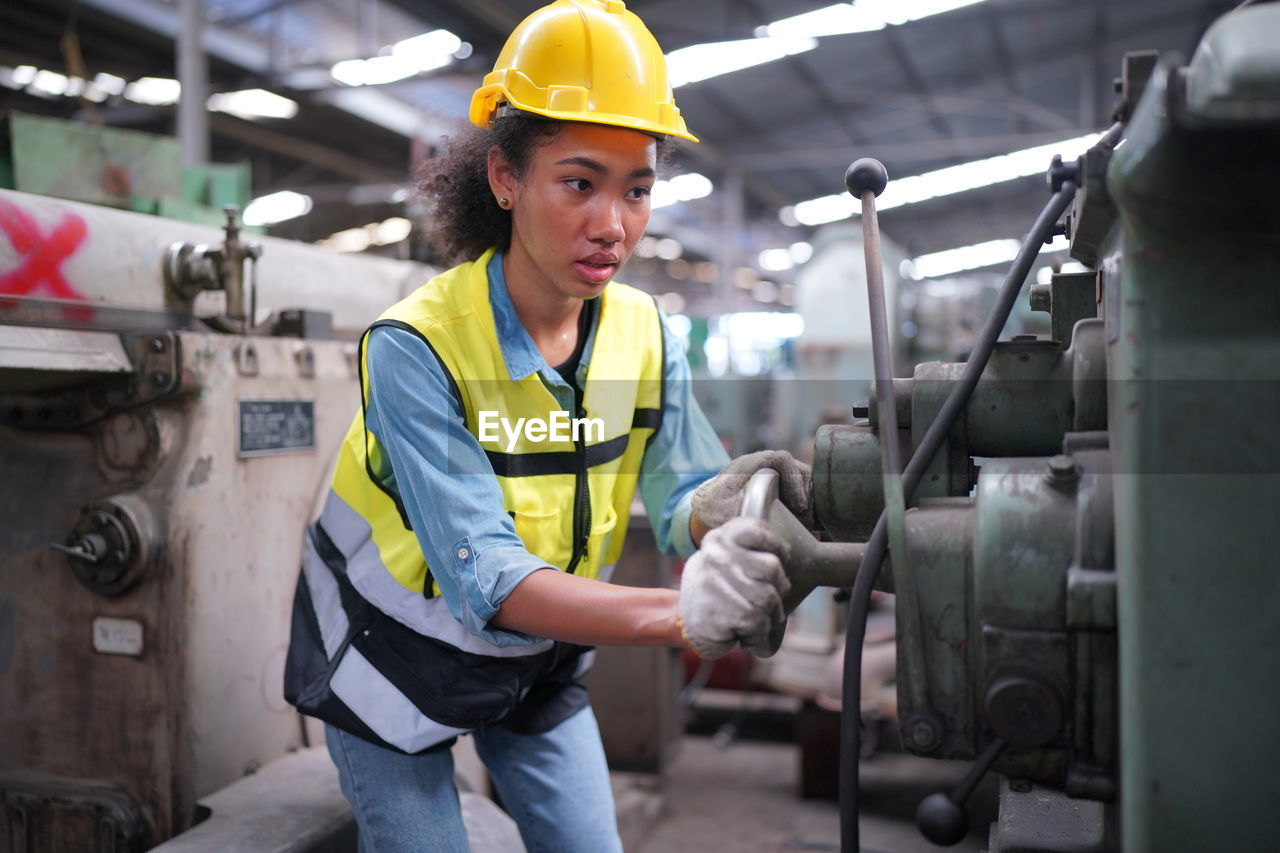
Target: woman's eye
[
  {"x": 580, "y": 184},
  {"x": 639, "y": 192}
]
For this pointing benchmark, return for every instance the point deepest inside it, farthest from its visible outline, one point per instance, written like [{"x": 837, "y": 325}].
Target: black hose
[{"x": 869, "y": 568}]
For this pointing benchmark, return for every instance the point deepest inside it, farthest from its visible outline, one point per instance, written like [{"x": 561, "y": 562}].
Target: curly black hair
[{"x": 466, "y": 218}]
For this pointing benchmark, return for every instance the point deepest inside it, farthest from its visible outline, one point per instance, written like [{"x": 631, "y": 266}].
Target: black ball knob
[
  {"x": 865, "y": 174},
  {"x": 942, "y": 821}
]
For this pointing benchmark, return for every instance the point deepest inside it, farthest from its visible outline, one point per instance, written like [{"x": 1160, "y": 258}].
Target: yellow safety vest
[{"x": 569, "y": 495}]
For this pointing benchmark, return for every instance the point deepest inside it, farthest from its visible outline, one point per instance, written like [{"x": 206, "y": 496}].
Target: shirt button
[{"x": 463, "y": 553}]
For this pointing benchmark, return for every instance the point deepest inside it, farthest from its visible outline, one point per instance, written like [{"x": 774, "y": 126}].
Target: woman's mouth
[{"x": 595, "y": 272}]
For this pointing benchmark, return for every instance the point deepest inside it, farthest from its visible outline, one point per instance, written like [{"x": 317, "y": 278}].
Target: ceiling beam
[
  {"x": 355, "y": 168},
  {"x": 916, "y": 81},
  {"x": 1005, "y": 58}
]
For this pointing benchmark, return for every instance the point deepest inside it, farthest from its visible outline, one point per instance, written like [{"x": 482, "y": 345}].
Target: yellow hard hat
[{"x": 583, "y": 60}]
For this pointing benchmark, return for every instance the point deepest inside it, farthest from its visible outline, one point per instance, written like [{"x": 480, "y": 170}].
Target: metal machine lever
[
  {"x": 942, "y": 818},
  {"x": 89, "y": 548},
  {"x": 810, "y": 563}
]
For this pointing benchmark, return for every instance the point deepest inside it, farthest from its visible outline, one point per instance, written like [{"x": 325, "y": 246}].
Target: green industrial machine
[
  {"x": 1088, "y": 594},
  {"x": 117, "y": 167}
]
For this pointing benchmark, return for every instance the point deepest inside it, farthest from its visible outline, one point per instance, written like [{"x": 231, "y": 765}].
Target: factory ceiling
[{"x": 947, "y": 88}]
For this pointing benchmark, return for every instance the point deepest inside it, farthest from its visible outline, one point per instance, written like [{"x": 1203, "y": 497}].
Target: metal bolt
[
  {"x": 1058, "y": 229},
  {"x": 159, "y": 379},
  {"x": 1041, "y": 297},
  {"x": 1062, "y": 470},
  {"x": 924, "y": 732},
  {"x": 157, "y": 345}
]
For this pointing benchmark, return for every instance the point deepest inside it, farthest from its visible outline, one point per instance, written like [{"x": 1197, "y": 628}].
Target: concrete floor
[{"x": 743, "y": 797}]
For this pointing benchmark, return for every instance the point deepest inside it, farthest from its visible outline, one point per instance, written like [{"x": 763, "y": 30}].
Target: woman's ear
[{"x": 502, "y": 176}]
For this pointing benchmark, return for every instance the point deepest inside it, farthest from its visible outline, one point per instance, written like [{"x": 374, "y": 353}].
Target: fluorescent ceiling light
[
  {"x": 412, "y": 56},
  {"x": 776, "y": 260},
  {"x": 109, "y": 83},
  {"x": 953, "y": 179},
  {"x": 861, "y": 17},
  {"x": 382, "y": 233},
  {"x": 50, "y": 82},
  {"x": 154, "y": 91},
  {"x": 680, "y": 188},
  {"x": 391, "y": 230},
  {"x": 433, "y": 49},
  {"x": 351, "y": 240},
  {"x": 23, "y": 75},
  {"x": 761, "y": 328},
  {"x": 965, "y": 258},
  {"x": 276, "y": 207},
  {"x": 702, "y": 61},
  {"x": 253, "y": 103},
  {"x": 974, "y": 257},
  {"x": 668, "y": 248}
]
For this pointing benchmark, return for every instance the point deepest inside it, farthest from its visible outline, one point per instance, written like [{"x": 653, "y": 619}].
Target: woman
[{"x": 511, "y": 408}]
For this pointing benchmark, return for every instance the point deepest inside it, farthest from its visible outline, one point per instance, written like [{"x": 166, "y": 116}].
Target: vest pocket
[{"x": 544, "y": 534}]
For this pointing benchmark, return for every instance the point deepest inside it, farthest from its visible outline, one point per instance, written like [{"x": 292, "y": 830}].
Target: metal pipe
[{"x": 193, "y": 75}]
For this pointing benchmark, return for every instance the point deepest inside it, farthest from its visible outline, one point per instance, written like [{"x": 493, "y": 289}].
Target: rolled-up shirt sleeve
[
  {"x": 684, "y": 453},
  {"x": 445, "y": 483}
]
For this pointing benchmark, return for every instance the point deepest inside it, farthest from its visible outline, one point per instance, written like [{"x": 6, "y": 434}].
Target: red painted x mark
[{"x": 41, "y": 256}]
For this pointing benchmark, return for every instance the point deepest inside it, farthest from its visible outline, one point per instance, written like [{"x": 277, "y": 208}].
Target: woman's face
[{"x": 580, "y": 207}]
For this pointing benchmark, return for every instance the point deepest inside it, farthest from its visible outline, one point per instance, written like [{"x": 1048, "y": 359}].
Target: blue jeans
[{"x": 554, "y": 785}]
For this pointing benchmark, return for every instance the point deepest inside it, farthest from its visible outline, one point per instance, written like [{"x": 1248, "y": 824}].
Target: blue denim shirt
[{"x": 468, "y": 539}]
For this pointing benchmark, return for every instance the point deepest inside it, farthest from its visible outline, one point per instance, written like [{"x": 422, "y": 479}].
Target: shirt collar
[{"x": 519, "y": 352}]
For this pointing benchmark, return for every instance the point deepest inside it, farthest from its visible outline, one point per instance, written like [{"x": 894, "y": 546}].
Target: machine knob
[
  {"x": 941, "y": 818},
  {"x": 866, "y": 174},
  {"x": 1060, "y": 172},
  {"x": 109, "y": 548},
  {"x": 942, "y": 821}
]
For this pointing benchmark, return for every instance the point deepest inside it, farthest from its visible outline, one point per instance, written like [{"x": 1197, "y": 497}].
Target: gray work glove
[
  {"x": 720, "y": 498},
  {"x": 732, "y": 589}
]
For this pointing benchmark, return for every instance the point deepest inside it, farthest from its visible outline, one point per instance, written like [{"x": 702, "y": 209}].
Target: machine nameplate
[
  {"x": 269, "y": 427},
  {"x": 112, "y": 636}
]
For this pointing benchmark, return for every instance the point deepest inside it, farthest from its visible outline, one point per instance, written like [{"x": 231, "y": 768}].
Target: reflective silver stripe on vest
[
  {"x": 584, "y": 663},
  {"x": 371, "y": 578},
  {"x": 383, "y": 708},
  {"x": 325, "y": 600}
]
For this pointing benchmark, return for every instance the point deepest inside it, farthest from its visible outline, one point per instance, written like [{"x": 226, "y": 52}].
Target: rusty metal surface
[
  {"x": 157, "y": 373},
  {"x": 199, "y": 704},
  {"x": 43, "y": 813}
]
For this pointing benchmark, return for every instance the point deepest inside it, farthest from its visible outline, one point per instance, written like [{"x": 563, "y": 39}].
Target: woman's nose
[{"x": 606, "y": 223}]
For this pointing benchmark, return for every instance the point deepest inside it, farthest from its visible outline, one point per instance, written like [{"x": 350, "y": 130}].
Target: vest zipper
[{"x": 581, "y": 492}]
